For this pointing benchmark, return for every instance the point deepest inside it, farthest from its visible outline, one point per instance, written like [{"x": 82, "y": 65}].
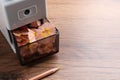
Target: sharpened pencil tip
[{"x": 59, "y": 68}]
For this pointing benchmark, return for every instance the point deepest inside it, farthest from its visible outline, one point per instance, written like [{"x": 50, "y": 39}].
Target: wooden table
[{"x": 89, "y": 42}]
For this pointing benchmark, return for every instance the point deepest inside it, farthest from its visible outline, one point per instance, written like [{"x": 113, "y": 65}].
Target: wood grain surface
[{"x": 89, "y": 42}]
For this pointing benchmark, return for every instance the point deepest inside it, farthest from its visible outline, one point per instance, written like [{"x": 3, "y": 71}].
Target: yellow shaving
[{"x": 45, "y": 33}]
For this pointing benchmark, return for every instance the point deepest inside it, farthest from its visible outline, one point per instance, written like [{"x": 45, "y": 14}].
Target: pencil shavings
[
  {"x": 31, "y": 35},
  {"x": 35, "y": 40},
  {"x": 46, "y": 32}
]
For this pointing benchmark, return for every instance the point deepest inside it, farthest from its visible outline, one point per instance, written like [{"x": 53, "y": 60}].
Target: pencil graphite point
[{"x": 57, "y": 68}]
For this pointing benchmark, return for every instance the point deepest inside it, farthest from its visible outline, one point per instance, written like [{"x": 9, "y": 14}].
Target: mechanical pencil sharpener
[{"x": 27, "y": 30}]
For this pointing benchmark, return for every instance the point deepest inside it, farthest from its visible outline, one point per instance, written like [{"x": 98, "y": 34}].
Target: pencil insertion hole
[{"x": 27, "y": 12}]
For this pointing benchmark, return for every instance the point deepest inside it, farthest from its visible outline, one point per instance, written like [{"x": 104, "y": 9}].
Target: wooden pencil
[{"x": 43, "y": 75}]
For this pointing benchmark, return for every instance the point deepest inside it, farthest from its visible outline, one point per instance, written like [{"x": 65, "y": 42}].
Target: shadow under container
[{"x": 38, "y": 50}]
